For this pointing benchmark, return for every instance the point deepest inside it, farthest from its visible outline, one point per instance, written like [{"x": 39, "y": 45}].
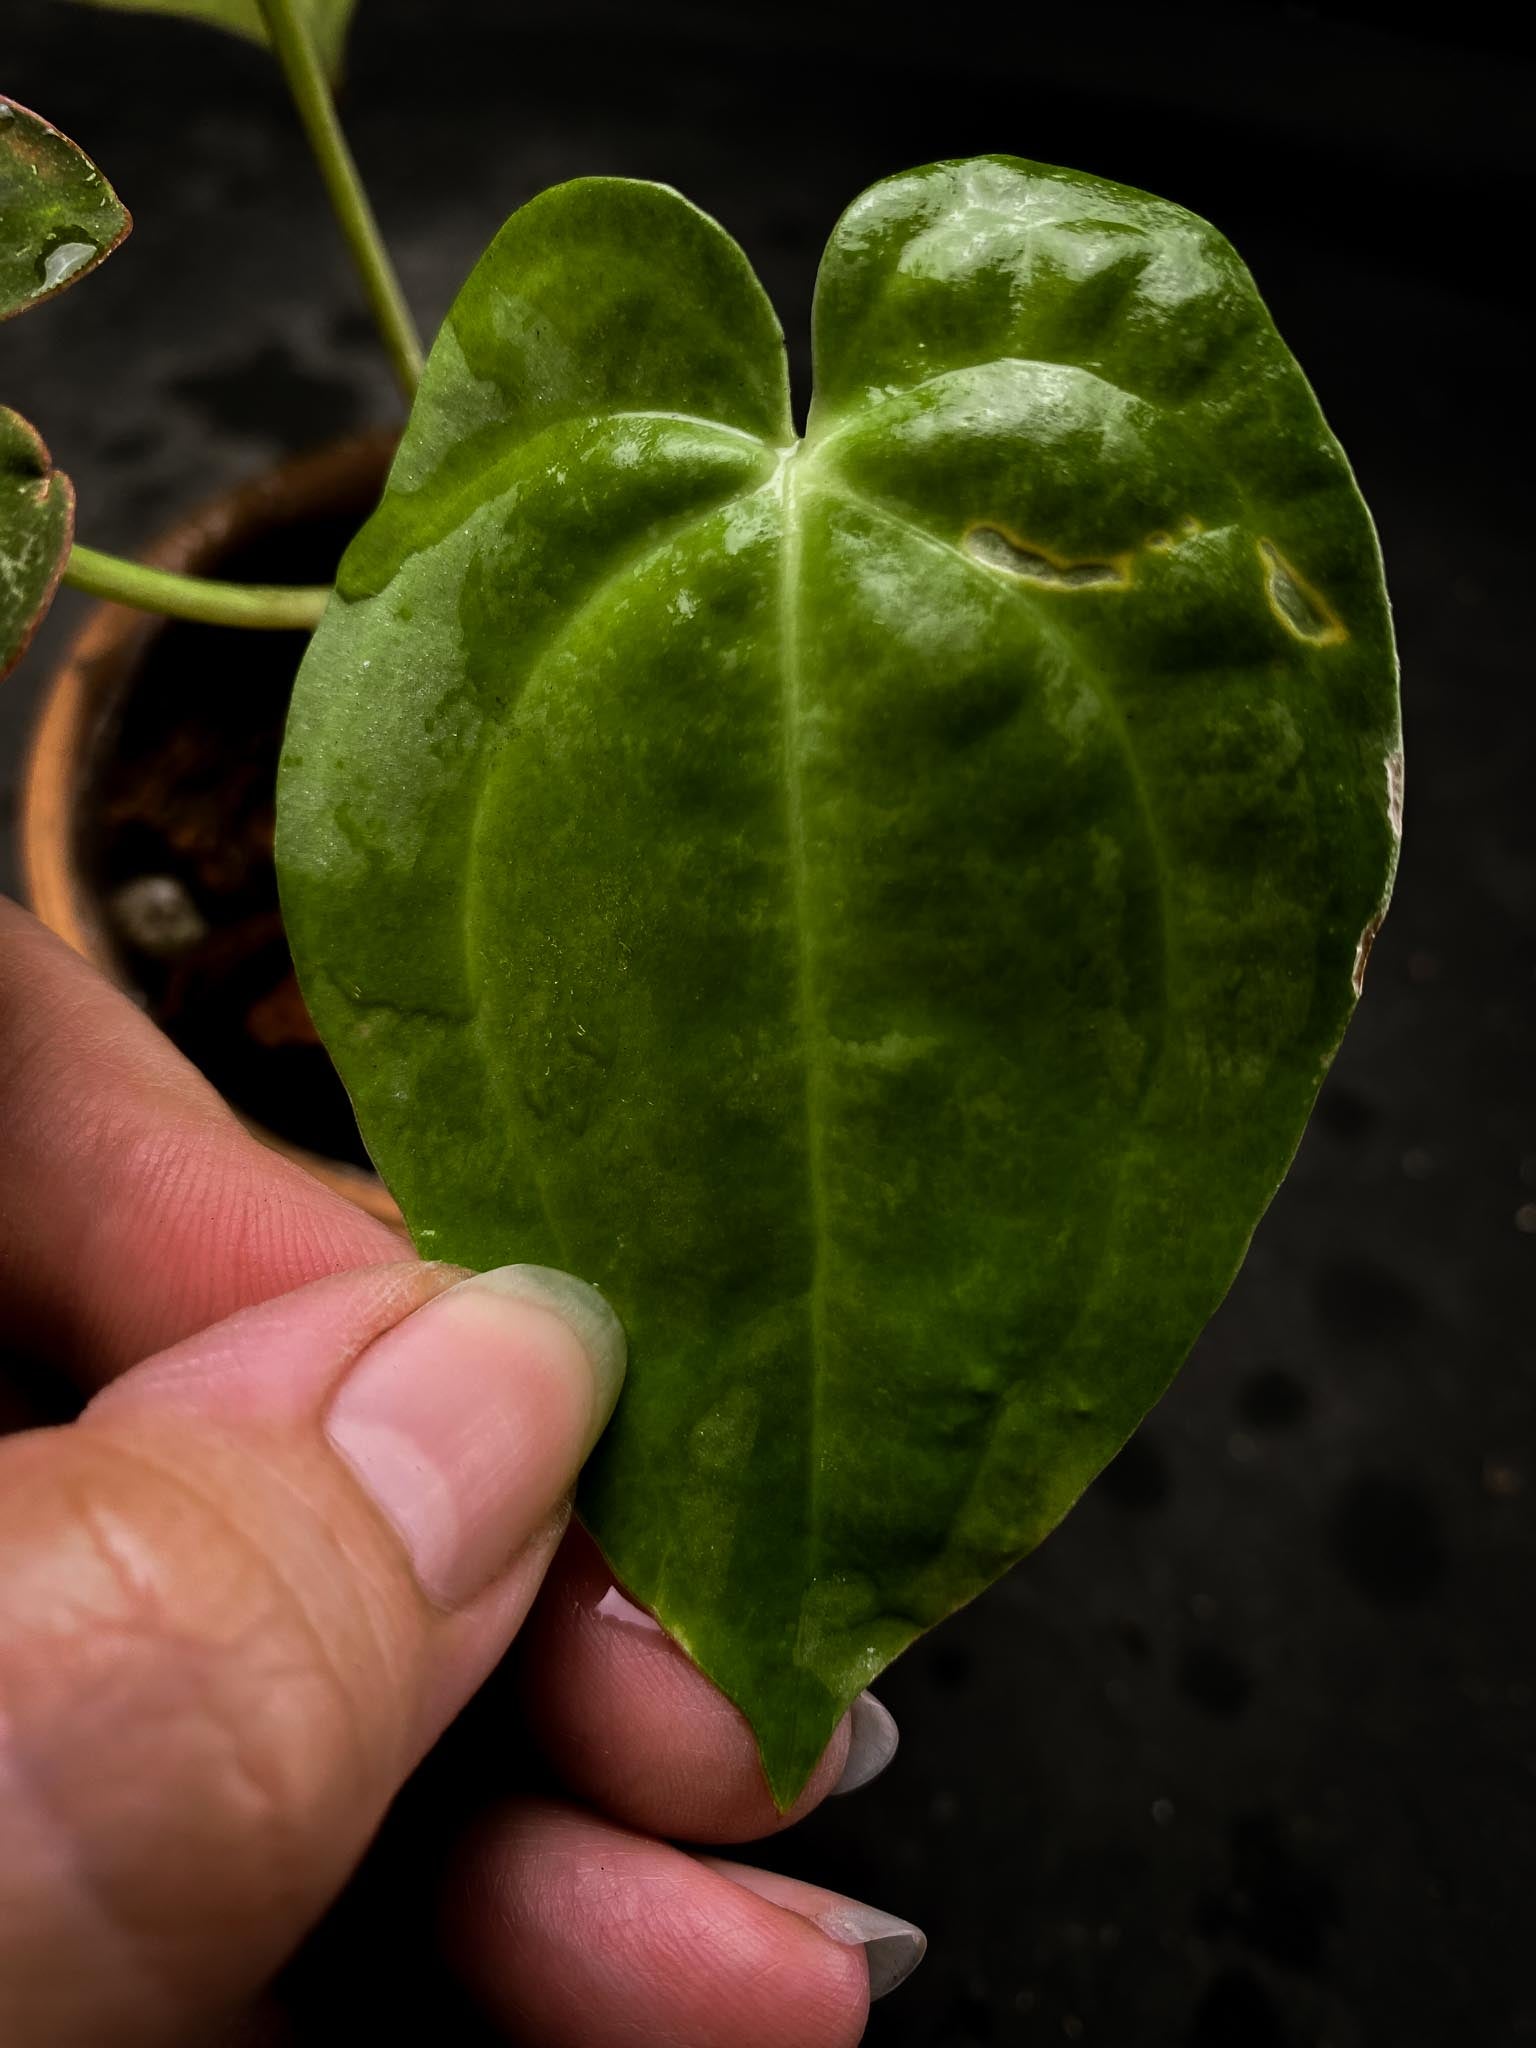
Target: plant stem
[
  {"x": 285, "y": 609},
  {"x": 296, "y": 52}
]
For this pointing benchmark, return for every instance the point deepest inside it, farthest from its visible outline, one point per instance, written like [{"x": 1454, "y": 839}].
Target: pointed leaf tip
[{"x": 59, "y": 215}]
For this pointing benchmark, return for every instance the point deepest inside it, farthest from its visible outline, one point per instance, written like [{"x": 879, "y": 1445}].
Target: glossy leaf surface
[
  {"x": 37, "y": 523},
  {"x": 880, "y": 906},
  {"x": 58, "y": 215},
  {"x": 329, "y": 20}
]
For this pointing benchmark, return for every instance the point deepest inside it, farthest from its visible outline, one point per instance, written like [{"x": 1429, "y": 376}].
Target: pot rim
[{"x": 82, "y": 693}]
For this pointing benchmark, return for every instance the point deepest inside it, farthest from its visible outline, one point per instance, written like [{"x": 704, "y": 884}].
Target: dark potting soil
[{"x": 179, "y": 848}]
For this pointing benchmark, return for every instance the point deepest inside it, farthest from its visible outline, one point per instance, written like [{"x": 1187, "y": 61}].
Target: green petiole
[
  {"x": 276, "y": 607},
  {"x": 311, "y": 91}
]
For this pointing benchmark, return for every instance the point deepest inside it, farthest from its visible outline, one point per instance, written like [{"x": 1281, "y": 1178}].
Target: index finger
[{"x": 134, "y": 1207}]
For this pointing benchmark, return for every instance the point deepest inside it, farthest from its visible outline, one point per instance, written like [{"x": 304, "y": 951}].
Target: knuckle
[{"x": 168, "y": 1700}]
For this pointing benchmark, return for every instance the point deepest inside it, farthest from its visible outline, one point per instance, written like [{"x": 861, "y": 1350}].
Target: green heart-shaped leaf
[
  {"x": 879, "y": 905},
  {"x": 328, "y": 20},
  {"x": 37, "y": 524},
  {"x": 58, "y": 215}
]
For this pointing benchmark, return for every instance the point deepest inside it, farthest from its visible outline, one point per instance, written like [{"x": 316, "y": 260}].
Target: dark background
[{"x": 1245, "y": 1757}]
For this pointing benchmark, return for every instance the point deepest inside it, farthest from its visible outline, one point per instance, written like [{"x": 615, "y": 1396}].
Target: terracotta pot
[{"x": 93, "y": 693}]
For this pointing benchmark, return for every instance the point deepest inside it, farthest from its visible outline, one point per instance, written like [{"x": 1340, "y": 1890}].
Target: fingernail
[
  {"x": 618, "y": 1608},
  {"x": 469, "y": 1421},
  {"x": 892, "y": 1948},
  {"x": 872, "y": 1739}
]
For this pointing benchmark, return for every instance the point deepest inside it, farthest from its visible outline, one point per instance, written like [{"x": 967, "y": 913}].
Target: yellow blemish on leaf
[
  {"x": 1303, "y": 611},
  {"x": 1363, "y": 952},
  {"x": 995, "y": 547},
  {"x": 1162, "y": 542}
]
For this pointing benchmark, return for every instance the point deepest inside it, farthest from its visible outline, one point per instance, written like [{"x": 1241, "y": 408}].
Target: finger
[
  {"x": 238, "y": 1600},
  {"x": 634, "y": 1727},
  {"x": 134, "y": 1208},
  {"x": 578, "y": 1934},
  {"x": 892, "y": 1948}
]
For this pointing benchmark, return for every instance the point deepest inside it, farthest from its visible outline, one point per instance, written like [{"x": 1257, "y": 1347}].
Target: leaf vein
[
  {"x": 795, "y": 833},
  {"x": 655, "y": 542}
]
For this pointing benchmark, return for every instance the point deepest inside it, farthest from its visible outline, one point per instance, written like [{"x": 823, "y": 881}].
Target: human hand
[{"x": 310, "y": 1502}]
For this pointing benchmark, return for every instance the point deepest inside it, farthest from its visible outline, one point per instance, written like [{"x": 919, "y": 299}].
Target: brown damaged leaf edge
[{"x": 22, "y": 610}]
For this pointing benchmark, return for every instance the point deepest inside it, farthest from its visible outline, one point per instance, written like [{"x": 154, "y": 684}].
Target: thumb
[{"x": 239, "y": 1597}]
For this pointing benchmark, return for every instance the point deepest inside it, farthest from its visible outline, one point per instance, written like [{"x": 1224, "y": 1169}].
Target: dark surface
[{"x": 1246, "y": 1756}]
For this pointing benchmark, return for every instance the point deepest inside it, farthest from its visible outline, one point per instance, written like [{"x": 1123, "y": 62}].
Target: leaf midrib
[{"x": 791, "y": 706}]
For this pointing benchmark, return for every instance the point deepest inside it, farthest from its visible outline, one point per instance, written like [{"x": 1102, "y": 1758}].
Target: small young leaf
[
  {"x": 58, "y": 215},
  {"x": 329, "y": 20},
  {"x": 37, "y": 524},
  {"x": 881, "y": 906}
]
